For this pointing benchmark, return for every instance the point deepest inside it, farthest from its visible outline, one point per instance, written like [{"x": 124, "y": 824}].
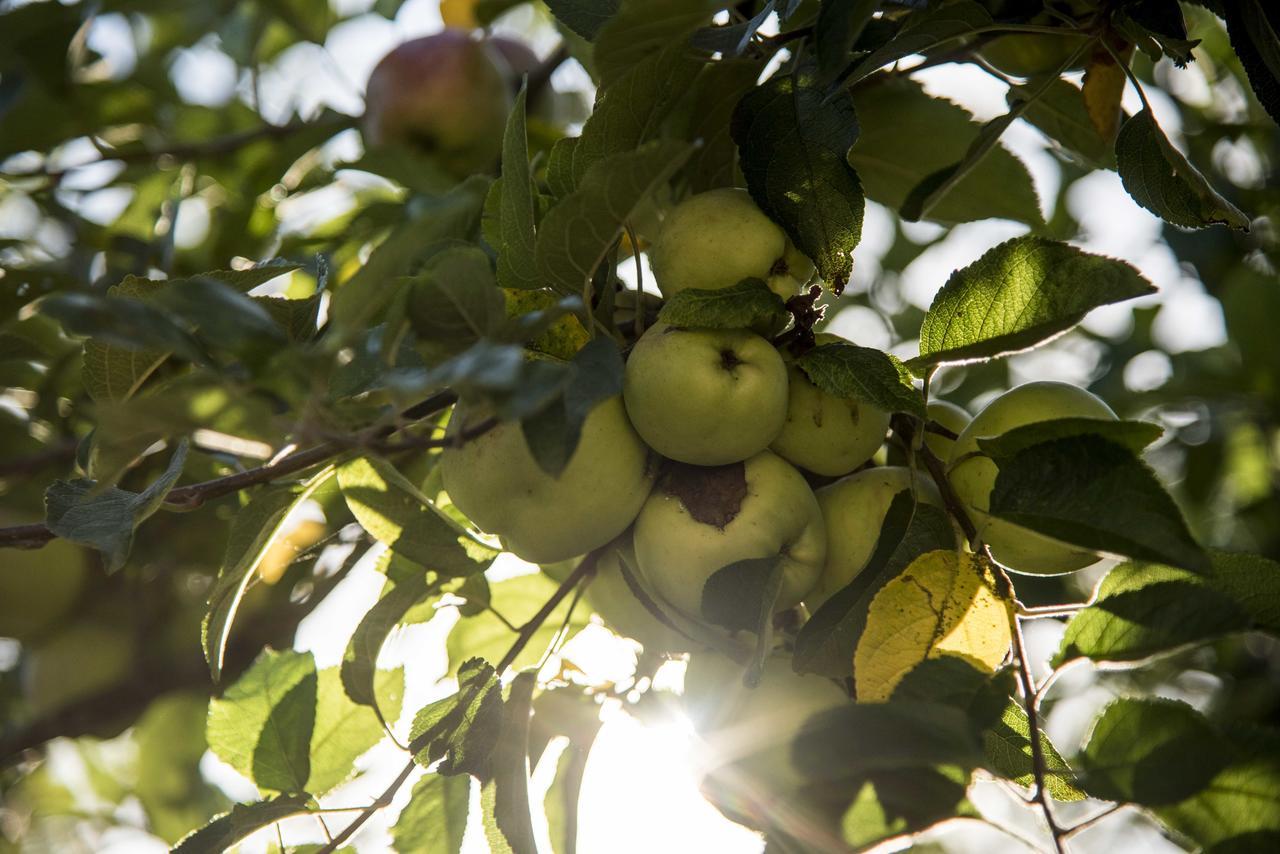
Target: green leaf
[
  {"x": 262, "y": 725},
  {"x": 631, "y": 110},
  {"x": 553, "y": 433},
  {"x": 1019, "y": 294},
  {"x": 254, "y": 529},
  {"x": 517, "y": 267},
  {"x": 1164, "y": 182},
  {"x": 859, "y": 738},
  {"x": 344, "y": 730},
  {"x": 406, "y": 587},
  {"x": 839, "y": 24},
  {"x": 863, "y": 374},
  {"x": 78, "y": 511},
  {"x": 1152, "y": 752},
  {"x": 908, "y": 135},
  {"x": 1144, "y": 609},
  {"x": 396, "y": 512},
  {"x": 1235, "y": 811},
  {"x": 732, "y": 39},
  {"x": 793, "y": 137},
  {"x": 1088, "y": 491},
  {"x": 464, "y": 727},
  {"x": 455, "y": 300},
  {"x": 577, "y": 233},
  {"x": 561, "y": 802},
  {"x": 517, "y": 599},
  {"x": 357, "y": 304},
  {"x": 644, "y": 27},
  {"x": 500, "y": 376},
  {"x": 124, "y": 323},
  {"x": 742, "y": 597},
  {"x": 1060, "y": 114},
  {"x": 715, "y": 93},
  {"x": 746, "y": 304},
  {"x": 921, "y": 32},
  {"x": 584, "y": 17},
  {"x": 1254, "y": 28},
  {"x": 893, "y": 803},
  {"x": 1007, "y": 746},
  {"x": 222, "y": 833},
  {"x": 1134, "y": 435},
  {"x": 511, "y": 766},
  {"x": 435, "y": 819},
  {"x": 827, "y": 642}
]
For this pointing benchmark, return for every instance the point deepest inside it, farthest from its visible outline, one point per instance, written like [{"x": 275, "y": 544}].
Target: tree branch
[
  {"x": 194, "y": 495},
  {"x": 584, "y": 570}
]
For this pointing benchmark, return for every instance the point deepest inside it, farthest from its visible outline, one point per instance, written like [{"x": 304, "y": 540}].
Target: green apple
[
  {"x": 700, "y": 520},
  {"x": 954, "y": 418},
  {"x": 705, "y": 396},
  {"x": 496, "y": 482},
  {"x": 612, "y": 598},
  {"x": 825, "y": 434},
  {"x": 973, "y": 475},
  {"x": 447, "y": 95},
  {"x": 84, "y": 659},
  {"x": 718, "y": 238},
  {"x": 854, "y": 509},
  {"x": 746, "y": 733},
  {"x": 39, "y": 587}
]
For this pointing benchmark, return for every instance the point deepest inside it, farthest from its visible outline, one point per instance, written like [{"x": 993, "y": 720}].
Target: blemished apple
[
  {"x": 496, "y": 482},
  {"x": 447, "y": 95},
  {"x": 973, "y": 475},
  {"x": 825, "y": 434},
  {"x": 700, "y": 520},
  {"x": 951, "y": 416},
  {"x": 718, "y": 238},
  {"x": 612, "y": 598},
  {"x": 746, "y": 733},
  {"x": 705, "y": 396},
  {"x": 39, "y": 588},
  {"x": 854, "y": 509},
  {"x": 78, "y": 662}
]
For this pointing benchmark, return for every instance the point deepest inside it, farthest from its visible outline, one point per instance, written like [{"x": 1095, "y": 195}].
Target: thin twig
[
  {"x": 584, "y": 570},
  {"x": 194, "y": 495},
  {"x": 1086, "y": 823}
]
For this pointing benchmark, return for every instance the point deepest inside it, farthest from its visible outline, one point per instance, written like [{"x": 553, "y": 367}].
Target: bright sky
[{"x": 640, "y": 794}]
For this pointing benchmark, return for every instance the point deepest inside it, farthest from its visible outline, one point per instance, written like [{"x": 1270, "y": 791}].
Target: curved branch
[{"x": 194, "y": 495}]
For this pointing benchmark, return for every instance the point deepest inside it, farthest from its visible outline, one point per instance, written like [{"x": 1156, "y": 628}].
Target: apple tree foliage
[{"x": 200, "y": 439}]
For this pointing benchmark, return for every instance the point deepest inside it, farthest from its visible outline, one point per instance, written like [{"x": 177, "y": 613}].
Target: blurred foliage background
[{"x": 166, "y": 138}]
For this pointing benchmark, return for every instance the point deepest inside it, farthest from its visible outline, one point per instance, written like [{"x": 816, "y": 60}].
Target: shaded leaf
[
  {"x": 921, "y": 32},
  {"x": 553, "y": 433},
  {"x": 517, "y": 267},
  {"x": 1060, "y": 114},
  {"x": 746, "y": 304},
  {"x": 511, "y": 767},
  {"x": 584, "y": 17},
  {"x": 839, "y": 24},
  {"x": 644, "y": 27},
  {"x": 1162, "y": 180},
  {"x": 793, "y": 137},
  {"x": 863, "y": 374},
  {"x": 1091, "y": 492},
  {"x": 1134, "y": 435},
  {"x": 222, "y": 833},
  {"x": 1254, "y": 27},
  {"x": 435, "y": 818}
]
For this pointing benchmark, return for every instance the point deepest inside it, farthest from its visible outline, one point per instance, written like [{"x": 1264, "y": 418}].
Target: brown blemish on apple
[{"x": 712, "y": 495}]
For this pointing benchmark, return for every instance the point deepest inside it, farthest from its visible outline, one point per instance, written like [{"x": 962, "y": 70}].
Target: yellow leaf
[
  {"x": 1103, "y": 88},
  {"x": 944, "y": 603},
  {"x": 285, "y": 550},
  {"x": 563, "y": 338},
  {"x": 459, "y": 13}
]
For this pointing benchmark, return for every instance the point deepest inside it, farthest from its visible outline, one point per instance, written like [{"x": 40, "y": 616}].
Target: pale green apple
[
  {"x": 854, "y": 509},
  {"x": 496, "y": 482},
  {"x": 39, "y": 587},
  {"x": 825, "y": 434},
  {"x": 718, "y": 238},
  {"x": 612, "y": 598},
  {"x": 954, "y": 418},
  {"x": 705, "y": 396},
  {"x": 447, "y": 95},
  {"x": 84, "y": 659},
  {"x": 973, "y": 475},
  {"x": 700, "y": 520},
  {"x": 746, "y": 733}
]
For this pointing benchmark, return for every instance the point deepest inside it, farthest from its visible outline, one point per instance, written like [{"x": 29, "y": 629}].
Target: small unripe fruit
[
  {"x": 718, "y": 238},
  {"x": 973, "y": 475},
  {"x": 705, "y": 396},
  {"x": 448, "y": 95},
  {"x": 497, "y": 483},
  {"x": 954, "y": 418}
]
